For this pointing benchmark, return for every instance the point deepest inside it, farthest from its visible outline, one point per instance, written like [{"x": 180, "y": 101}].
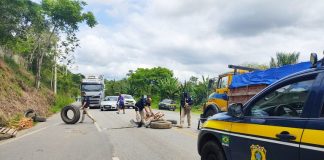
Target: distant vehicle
[
  {"x": 94, "y": 87},
  {"x": 168, "y": 104},
  {"x": 129, "y": 100},
  {"x": 109, "y": 103}
]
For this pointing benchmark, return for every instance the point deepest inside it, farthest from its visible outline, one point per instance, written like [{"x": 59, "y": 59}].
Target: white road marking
[
  {"x": 98, "y": 127},
  {"x": 115, "y": 158},
  {"x": 27, "y": 134}
]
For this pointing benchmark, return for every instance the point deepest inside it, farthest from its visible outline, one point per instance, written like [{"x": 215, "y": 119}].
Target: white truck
[{"x": 94, "y": 87}]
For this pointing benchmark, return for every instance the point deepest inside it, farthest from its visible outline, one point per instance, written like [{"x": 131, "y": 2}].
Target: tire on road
[
  {"x": 76, "y": 114},
  {"x": 39, "y": 119},
  {"x": 161, "y": 125},
  {"x": 29, "y": 113},
  {"x": 173, "y": 121}
]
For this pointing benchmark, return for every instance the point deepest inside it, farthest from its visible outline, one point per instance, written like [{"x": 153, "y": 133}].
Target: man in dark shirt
[
  {"x": 186, "y": 103},
  {"x": 84, "y": 106},
  {"x": 140, "y": 107}
]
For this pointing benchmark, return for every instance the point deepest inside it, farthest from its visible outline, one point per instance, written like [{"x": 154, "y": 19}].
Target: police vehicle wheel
[
  {"x": 211, "y": 151},
  {"x": 76, "y": 114}
]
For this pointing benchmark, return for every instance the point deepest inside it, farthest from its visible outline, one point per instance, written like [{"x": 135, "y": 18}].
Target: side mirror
[
  {"x": 313, "y": 60},
  {"x": 236, "y": 110}
]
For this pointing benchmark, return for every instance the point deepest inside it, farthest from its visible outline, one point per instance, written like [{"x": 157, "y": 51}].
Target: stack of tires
[
  {"x": 30, "y": 113},
  {"x": 163, "y": 124}
]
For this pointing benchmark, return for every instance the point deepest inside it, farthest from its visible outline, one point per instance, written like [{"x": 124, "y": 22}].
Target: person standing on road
[
  {"x": 84, "y": 106},
  {"x": 120, "y": 103},
  {"x": 148, "y": 108},
  {"x": 140, "y": 106},
  {"x": 186, "y": 103}
]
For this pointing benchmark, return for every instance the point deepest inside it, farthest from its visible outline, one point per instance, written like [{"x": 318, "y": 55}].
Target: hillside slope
[{"x": 17, "y": 93}]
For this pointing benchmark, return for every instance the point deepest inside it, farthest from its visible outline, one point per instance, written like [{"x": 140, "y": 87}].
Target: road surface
[{"x": 111, "y": 138}]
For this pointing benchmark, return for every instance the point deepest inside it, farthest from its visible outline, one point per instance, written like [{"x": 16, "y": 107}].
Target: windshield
[
  {"x": 223, "y": 82},
  {"x": 128, "y": 97},
  {"x": 91, "y": 87},
  {"x": 166, "y": 101},
  {"x": 111, "y": 98}
]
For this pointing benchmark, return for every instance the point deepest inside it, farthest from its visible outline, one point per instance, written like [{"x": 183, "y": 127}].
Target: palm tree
[{"x": 283, "y": 58}]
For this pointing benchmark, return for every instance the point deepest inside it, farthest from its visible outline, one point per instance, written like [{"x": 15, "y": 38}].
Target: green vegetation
[
  {"x": 160, "y": 84},
  {"x": 60, "y": 102},
  {"x": 284, "y": 59},
  {"x": 43, "y": 36}
]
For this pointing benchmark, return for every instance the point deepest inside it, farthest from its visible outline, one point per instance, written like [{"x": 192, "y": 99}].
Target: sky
[{"x": 195, "y": 37}]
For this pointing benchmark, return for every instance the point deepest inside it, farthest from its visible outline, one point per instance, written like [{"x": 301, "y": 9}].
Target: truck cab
[
  {"x": 94, "y": 88},
  {"x": 283, "y": 121}
]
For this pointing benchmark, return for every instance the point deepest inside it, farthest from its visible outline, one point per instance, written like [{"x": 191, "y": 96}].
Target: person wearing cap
[
  {"x": 84, "y": 106},
  {"x": 186, "y": 103}
]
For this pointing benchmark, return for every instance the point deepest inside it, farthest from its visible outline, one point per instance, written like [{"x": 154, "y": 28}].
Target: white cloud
[{"x": 196, "y": 37}]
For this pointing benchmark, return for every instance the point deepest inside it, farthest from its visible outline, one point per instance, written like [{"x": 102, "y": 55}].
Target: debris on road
[
  {"x": 30, "y": 113},
  {"x": 161, "y": 125},
  {"x": 66, "y": 118},
  {"x": 6, "y": 133},
  {"x": 156, "y": 121},
  {"x": 25, "y": 123}
]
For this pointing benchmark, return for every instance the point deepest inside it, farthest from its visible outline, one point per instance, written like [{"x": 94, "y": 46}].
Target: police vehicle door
[
  {"x": 273, "y": 123},
  {"x": 312, "y": 143}
]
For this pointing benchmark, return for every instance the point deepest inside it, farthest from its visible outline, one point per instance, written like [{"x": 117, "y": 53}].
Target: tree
[
  {"x": 168, "y": 88},
  {"x": 63, "y": 17},
  {"x": 145, "y": 80},
  {"x": 283, "y": 58}
]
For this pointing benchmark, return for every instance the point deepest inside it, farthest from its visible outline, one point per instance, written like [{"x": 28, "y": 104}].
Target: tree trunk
[
  {"x": 55, "y": 75},
  {"x": 31, "y": 56},
  {"x": 40, "y": 59},
  {"x": 38, "y": 70}
]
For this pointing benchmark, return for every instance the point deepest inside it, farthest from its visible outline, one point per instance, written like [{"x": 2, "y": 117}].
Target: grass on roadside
[{"x": 60, "y": 102}]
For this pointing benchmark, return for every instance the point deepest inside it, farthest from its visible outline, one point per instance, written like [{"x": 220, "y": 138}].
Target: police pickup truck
[{"x": 285, "y": 121}]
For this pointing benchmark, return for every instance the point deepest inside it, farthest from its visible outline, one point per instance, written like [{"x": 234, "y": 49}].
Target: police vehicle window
[
  {"x": 223, "y": 82},
  {"x": 287, "y": 101}
]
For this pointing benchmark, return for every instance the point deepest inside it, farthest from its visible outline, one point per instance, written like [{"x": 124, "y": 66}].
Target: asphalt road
[{"x": 111, "y": 138}]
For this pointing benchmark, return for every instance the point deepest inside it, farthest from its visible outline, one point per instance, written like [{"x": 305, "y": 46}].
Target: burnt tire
[
  {"x": 29, "y": 113},
  {"x": 39, "y": 119},
  {"x": 76, "y": 114},
  {"x": 161, "y": 125},
  {"x": 173, "y": 121},
  {"x": 212, "y": 151}
]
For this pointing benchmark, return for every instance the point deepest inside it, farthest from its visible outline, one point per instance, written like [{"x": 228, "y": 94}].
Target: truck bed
[{"x": 243, "y": 94}]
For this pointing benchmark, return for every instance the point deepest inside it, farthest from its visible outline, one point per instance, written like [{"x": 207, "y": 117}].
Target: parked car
[
  {"x": 129, "y": 101},
  {"x": 168, "y": 104},
  {"x": 109, "y": 103}
]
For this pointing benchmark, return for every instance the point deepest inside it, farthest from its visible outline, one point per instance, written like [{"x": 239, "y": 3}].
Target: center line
[{"x": 98, "y": 127}]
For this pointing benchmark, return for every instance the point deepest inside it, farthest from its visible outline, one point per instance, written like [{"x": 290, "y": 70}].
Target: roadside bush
[{"x": 60, "y": 102}]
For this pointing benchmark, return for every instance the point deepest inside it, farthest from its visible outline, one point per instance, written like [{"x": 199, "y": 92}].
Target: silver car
[{"x": 109, "y": 103}]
